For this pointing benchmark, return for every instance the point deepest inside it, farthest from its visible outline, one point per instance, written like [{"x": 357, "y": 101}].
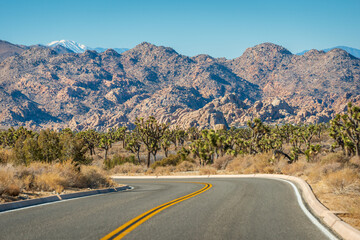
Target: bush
[
  {"x": 296, "y": 169},
  {"x": 343, "y": 181},
  {"x": 248, "y": 164},
  {"x": 171, "y": 160},
  {"x": 118, "y": 160},
  {"x": 5, "y": 155},
  {"x": 12, "y": 190},
  {"x": 337, "y": 157},
  {"x": 50, "y": 182},
  {"x": 93, "y": 177},
  {"x": 222, "y": 162},
  {"x": 9, "y": 185},
  {"x": 128, "y": 168},
  {"x": 207, "y": 170},
  {"x": 51, "y": 177},
  {"x": 163, "y": 170},
  {"x": 185, "y": 166}
]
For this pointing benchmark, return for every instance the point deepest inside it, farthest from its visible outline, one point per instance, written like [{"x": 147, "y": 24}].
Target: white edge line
[
  {"x": 313, "y": 219},
  {"x": 60, "y": 201}
]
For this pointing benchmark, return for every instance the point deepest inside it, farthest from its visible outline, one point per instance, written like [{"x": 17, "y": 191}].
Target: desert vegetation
[{"x": 325, "y": 155}]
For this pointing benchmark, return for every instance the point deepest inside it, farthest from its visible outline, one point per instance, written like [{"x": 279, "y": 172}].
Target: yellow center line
[{"x": 123, "y": 230}]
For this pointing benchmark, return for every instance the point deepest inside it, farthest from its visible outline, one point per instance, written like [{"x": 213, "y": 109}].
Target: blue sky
[{"x": 218, "y": 28}]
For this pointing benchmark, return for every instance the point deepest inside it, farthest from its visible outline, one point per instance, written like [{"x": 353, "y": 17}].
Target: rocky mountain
[
  {"x": 353, "y": 51},
  {"x": 8, "y": 49},
  {"x": 41, "y": 87}
]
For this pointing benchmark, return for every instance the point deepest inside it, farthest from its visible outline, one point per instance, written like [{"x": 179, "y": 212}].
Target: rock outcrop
[{"x": 42, "y": 87}]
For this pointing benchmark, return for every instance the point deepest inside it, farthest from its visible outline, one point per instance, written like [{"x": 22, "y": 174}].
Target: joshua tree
[
  {"x": 133, "y": 143},
  {"x": 345, "y": 129},
  {"x": 151, "y": 133},
  {"x": 106, "y": 141}
]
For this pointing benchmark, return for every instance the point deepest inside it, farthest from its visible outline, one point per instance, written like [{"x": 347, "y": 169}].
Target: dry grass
[
  {"x": 336, "y": 157},
  {"x": 295, "y": 169},
  {"x": 249, "y": 164},
  {"x": 222, "y": 162},
  {"x": 344, "y": 181},
  {"x": 128, "y": 169},
  {"x": 50, "y": 182},
  {"x": 161, "y": 171},
  {"x": 335, "y": 180},
  {"x": 93, "y": 177},
  {"x": 50, "y": 177},
  {"x": 9, "y": 185},
  {"x": 207, "y": 170},
  {"x": 5, "y": 155},
  {"x": 185, "y": 166}
]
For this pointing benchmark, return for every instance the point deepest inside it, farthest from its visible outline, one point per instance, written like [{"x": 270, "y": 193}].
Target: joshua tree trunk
[
  {"x": 284, "y": 154},
  {"x": 138, "y": 156},
  {"x": 148, "y": 160}
]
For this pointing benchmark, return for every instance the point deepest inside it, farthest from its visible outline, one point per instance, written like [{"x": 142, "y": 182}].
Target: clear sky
[{"x": 221, "y": 28}]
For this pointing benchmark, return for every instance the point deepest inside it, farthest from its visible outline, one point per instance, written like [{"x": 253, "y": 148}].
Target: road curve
[{"x": 244, "y": 208}]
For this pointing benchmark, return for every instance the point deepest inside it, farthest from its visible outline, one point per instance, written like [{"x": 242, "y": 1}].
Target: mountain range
[
  {"x": 353, "y": 51},
  {"x": 80, "y": 48},
  {"x": 8, "y": 49},
  {"x": 57, "y": 88}
]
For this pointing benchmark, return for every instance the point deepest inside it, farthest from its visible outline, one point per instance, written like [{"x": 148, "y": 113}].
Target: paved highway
[{"x": 244, "y": 208}]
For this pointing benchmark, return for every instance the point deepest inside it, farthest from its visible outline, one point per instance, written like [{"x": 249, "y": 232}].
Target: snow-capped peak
[
  {"x": 72, "y": 45},
  {"x": 80, "y": 48}
]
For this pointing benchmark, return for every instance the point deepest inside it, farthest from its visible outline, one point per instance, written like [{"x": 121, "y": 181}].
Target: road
[{"x": 232, "y": 208}]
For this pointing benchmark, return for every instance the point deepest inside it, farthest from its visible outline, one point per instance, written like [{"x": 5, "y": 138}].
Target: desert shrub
[
  {"x": 260, "y": 164},
  {"x": 333, "y": 157},
  {"x": 93, "y": 177},
  {"x": 69, "y": 170},
  {"x": 207, "y": 170},
  {"x": 296, "y": 169},
  {"x": 128, "y": 168},
  {"x": 185, "y": 166},
  {"x": 35, "y": 175},
  {"x": 149, "y": 171},
  {"x": 171, "y": 160},
  {"x": 160, "y": 170},
  {"x": 355, "y": 161},
  {"x": 12, "y": 190},
  {"x": 50, "y": 182},
  {"x": 59, "y": 176},
  {"x": 9, "y": 185},
  {"x": 247, "y": 164},
  {"x": 5, "y": 155},
  {"x": 238, "y": 164},
  {"x": 118, "y": 160},
  {"x": 343, "y": 181},
  {"x": 222, "y": 162},
  {"x": 270, "y": 170},
  {"x": 328, "y": 168}
]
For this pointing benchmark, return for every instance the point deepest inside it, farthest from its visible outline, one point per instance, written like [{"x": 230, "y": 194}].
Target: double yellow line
[{"x": 123, "y": 230}]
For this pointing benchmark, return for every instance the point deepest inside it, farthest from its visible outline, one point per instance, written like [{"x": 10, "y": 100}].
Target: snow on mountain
[
  {"x": 72, "y": 45},
  {"x": 80, "y": 48}
]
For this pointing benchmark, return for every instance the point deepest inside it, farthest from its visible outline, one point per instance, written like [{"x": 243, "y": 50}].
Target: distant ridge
[
  {"x": 8, "y": 49},
  {"x": 353, "y": 51},
  {"x": 80, "y": 48}
]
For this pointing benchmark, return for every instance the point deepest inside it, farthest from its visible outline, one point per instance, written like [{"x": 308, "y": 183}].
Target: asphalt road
[{"x": 232, "y": 209}]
